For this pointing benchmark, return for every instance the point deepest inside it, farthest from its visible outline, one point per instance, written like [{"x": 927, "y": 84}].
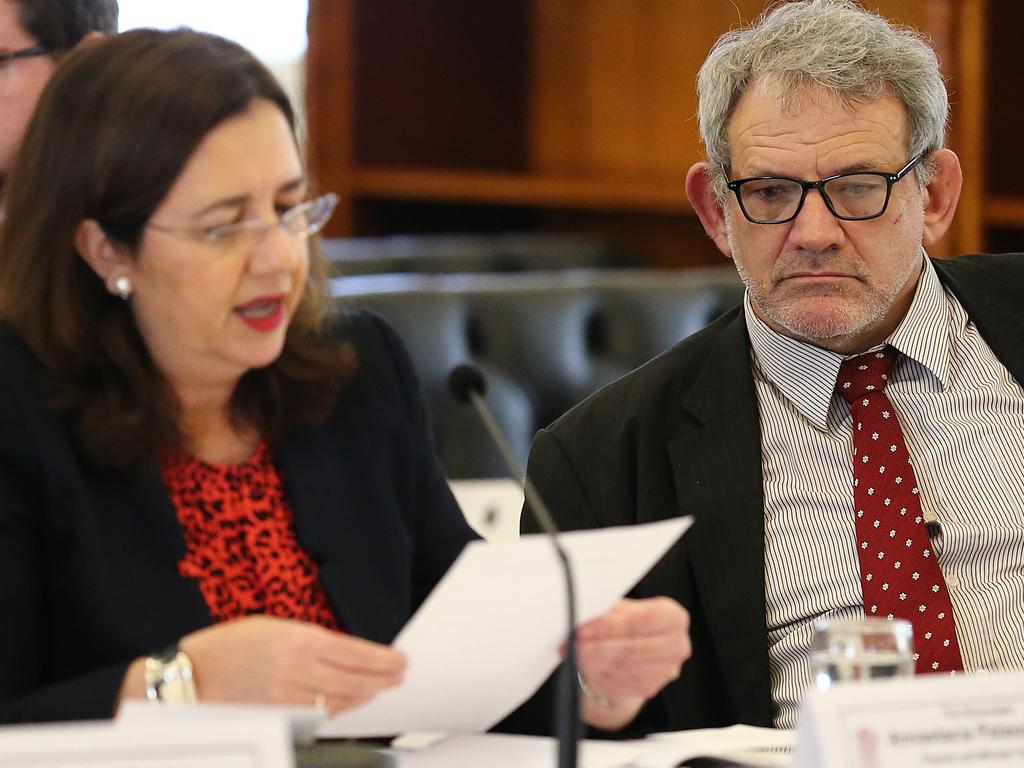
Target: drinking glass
[{"x": 861, "y": 649}]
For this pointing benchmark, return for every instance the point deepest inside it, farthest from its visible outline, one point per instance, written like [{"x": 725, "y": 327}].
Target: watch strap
[{"x": 169, "y": 677}]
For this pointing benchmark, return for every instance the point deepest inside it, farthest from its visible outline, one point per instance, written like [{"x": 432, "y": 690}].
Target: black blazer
[
  {"x": 88, "y": 556},
  {"x": 681, "y": 436}
]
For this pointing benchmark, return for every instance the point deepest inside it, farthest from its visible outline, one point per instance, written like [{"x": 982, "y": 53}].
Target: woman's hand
[
  {"x": 628, "y": 655},
  {"x": 262, "y": 659}
]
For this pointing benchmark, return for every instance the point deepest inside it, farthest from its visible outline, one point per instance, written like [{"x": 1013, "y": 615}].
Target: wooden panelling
[
  {"x": 556, "y": 191},
  {"x": 614, "y": 83},
  {"x": 563, "y": 113},
  {"x": 439, "y": 83},
  {"x": 969, "y": 95},
  {"x": 329, "y": 105}
]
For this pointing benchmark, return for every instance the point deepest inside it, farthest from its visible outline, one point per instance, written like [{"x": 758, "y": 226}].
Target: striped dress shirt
[{"x": 962, "y": 415}]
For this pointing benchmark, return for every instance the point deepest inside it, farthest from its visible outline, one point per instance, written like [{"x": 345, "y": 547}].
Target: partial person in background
[
  {"x": 34, "y": 35},
  {"x": 850, "y": 440},
  {"x": 201, "y": 471}
]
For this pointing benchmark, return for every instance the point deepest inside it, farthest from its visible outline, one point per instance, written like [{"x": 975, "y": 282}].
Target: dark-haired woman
[{"x": 199, "y": 476}]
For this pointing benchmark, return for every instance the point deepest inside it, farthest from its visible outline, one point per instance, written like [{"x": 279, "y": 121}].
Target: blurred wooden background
[{"x": 579, "y": 115}]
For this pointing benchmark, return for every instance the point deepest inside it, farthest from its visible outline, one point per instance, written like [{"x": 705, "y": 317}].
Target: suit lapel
[
  {"x": 716, "y": 465},
  {"x": 335, "y": 513},
  {"x": 312, "y": 477},
  {"x": 992, "y": 297}
]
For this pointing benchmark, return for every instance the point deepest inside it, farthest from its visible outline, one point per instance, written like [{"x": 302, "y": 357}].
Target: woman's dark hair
[{"x": 113, "y": 130}]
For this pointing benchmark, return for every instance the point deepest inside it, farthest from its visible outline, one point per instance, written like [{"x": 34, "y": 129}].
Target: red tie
[{"x": 899, "y": 573}]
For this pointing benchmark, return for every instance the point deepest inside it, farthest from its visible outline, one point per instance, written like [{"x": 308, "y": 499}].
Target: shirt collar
[
  {"x": 806, "y": 374},
  {"x": 924, "y": 333}
]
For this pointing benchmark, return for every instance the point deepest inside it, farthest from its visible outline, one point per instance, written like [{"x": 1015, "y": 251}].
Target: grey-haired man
[{"x": 850, "y": 439}]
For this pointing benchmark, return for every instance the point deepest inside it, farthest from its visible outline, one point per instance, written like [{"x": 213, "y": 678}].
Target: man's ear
[
  {"x": 701, "y": 193},
  {"x": 108, "y": 261},
  {"x": 941, "y": 194}
]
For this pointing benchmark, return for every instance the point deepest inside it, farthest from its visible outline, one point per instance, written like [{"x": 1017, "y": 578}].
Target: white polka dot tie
[{"x": 900, "y": 574}]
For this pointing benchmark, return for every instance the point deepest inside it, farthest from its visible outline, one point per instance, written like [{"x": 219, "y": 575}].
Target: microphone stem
[
  {"x": 568, "y": 717},
  {"x": 539, "y": 508}
]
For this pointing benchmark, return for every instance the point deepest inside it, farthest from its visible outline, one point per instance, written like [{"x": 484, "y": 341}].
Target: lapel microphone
[{"x": 467, "y": 385}]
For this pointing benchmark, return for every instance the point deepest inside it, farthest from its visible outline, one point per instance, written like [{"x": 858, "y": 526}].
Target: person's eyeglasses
[
  {"x": 849, "y": 196},
  {"x": 24, "y": 53},
  {"x": 300, "y": 221}
]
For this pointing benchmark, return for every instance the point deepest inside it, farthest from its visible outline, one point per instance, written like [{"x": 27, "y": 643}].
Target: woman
[{"x": 199, "y": 475}]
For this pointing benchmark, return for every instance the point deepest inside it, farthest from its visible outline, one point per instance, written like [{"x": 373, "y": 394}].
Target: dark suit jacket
[
  {"x": 88, "y": 556},
  {"x": 681, "y": 436}
]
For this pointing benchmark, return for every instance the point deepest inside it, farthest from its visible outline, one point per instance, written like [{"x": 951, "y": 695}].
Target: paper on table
[
  {"x": 488, "y": 635},
  {"x": 497, "y": 750},
  {"x": 744, "y": 744},
  {"x": 738, "y": 743}
]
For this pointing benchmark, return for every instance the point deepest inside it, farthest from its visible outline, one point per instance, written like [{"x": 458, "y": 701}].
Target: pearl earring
[{"x": 123, "y": 287}]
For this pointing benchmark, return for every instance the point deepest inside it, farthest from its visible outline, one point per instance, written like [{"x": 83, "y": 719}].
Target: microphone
[{"x": 467, "y": 385}]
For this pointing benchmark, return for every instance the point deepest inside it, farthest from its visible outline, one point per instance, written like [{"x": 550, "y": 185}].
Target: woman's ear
[{"x": 108, "y": 261}]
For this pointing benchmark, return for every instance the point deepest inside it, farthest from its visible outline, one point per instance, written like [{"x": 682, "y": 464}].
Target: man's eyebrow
[
  {"x": 858, "y": 167},
  {"x": 861, "y": 167}
]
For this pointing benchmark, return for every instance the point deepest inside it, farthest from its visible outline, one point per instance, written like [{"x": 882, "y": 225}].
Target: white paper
[
  {"x": 506, "y": 751},
  {"x": 489, "y": 634},
  {"x": 492, "y": 506},
  {"x": 916, "y": 722},
  {"x": 237, "y": 744},
  {"x": 302, "y": 721},
  {"x": 740, "y": 743}
]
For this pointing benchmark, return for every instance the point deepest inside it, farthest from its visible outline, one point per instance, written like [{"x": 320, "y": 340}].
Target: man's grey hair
[{"x": 856, "y": 55}]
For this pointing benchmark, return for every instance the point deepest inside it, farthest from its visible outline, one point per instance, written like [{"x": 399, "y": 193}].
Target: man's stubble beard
[{"x": 848, "y": 312}]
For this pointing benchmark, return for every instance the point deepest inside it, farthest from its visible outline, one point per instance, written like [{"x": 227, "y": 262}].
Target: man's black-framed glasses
[
  {"x": 25, "y": 53},
  {"x": 849, "y": 196}
]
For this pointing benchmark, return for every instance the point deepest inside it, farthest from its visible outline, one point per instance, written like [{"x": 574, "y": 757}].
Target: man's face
[
  {"x": 843, "y": 285},
  {"x": 21, "y": 82}
]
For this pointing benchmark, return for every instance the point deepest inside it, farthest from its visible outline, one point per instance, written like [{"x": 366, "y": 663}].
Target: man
[
  {"x": 34, "y": 34},
  {"x": 824, "y": 481}
]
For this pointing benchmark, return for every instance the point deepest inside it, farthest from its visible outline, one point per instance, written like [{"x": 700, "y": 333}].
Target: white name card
[
  {"x": 920, "y": 722},
  {"x": 261, "y": 743},
  {"x": 302, "y": 721}
]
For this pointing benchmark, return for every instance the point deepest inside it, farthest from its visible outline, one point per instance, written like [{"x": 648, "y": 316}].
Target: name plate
[
  {"x": 919, "y": 722},
  {"x": 254, "y": 743}
]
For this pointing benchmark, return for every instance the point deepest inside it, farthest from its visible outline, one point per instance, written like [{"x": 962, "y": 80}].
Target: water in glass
[{"x": 860, "y": 649}]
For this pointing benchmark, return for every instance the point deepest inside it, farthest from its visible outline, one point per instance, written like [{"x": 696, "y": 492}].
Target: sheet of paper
[
  {"x": 744, "y": 744},
  {"x": 505, "y": 751},
  {"x": 489, "y": 633},
  {"x": 217, "y": 744},
  {"x": 739, "y": 743}
]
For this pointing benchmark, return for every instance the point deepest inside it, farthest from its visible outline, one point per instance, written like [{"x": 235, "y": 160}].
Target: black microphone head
[{"x": 465, "y": 379}]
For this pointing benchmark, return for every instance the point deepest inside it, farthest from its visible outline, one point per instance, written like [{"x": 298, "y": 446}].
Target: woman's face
[{"x": 209, "y": 312}]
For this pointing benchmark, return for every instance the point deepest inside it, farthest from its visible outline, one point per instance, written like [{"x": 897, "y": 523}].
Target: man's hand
[{"x": 628, "y": 655}]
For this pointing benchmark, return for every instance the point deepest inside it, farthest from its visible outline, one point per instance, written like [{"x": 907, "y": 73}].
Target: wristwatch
[{"x": 169, "y": 677}]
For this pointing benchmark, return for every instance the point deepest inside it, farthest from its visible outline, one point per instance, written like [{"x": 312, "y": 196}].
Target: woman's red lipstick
[{"x": 264, "y": 313}]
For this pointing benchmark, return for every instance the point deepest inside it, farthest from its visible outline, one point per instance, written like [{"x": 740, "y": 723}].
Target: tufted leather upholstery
[{"x": 544, "y": 339}]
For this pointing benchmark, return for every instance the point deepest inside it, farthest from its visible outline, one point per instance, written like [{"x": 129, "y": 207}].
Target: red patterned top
[{"x": 238, "y": 528}]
